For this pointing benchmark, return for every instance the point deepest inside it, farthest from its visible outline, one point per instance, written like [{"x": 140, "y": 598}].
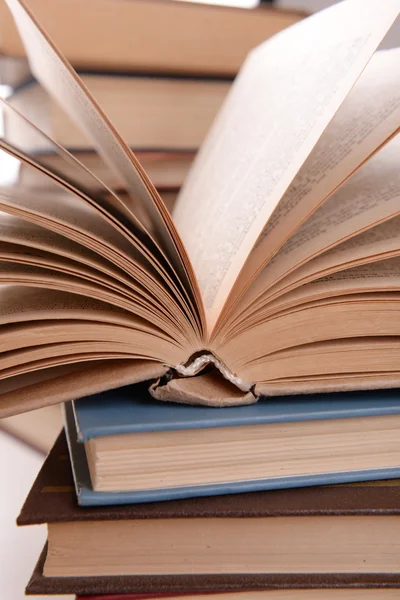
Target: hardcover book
[
  {"x": 278, "y": 270},
  {"x": 126, "y": 447},
  {"x": 170, "y": 37},
  {"x": 170, "y": 113},
  {"x": 167, "y": 169},
  {"x": 328, "y": 536}
]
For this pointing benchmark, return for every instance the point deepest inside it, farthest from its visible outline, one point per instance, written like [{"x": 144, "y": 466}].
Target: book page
[
  {"x": 14, "y": 230},
  {"x": 288, "y": 90},
  {"x": 75, "y": 177},
  {"x": 69, "y": 216},
  {"x": 59, "y": 384},
  {"x": 110, "y": 207},
  {"x": 369, "y": 249},
  {"x": 71, "y": 170},
  {"x": 368, "y": 117},
  {"x": 356, "y": 303},
  {"x": 376, "y": 244},
  {"x": 57, "y": 76},
  {"x": 382, "y": 276},
  {"x": 369, "y": 198}
]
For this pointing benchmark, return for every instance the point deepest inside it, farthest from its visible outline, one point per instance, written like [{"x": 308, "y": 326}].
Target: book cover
[{"x": 131, "y": 409}]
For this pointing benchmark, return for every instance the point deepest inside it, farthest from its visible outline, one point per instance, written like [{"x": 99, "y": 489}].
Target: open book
[{"x": 279, "y": 270}]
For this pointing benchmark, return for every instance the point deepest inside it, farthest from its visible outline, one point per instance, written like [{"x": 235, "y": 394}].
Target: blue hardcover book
[{"x": 128, "y": 448}]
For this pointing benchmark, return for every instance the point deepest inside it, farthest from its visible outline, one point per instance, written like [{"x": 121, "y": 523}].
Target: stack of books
[
  {"x": 202, "y": 454},
  {"x": 174, "y": 499}
]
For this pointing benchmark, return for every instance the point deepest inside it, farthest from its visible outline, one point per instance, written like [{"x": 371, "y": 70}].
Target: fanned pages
[{"x": 279, "y": 269}]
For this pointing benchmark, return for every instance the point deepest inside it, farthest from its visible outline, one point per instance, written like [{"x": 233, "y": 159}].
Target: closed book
[
  {"x": 167, "y": 169},
  {"x": 143, "y": 35},
  {"x": 151, "y": 113},
  {"x": 339, "y": 535},
  {"x": 127, "y": 447}
]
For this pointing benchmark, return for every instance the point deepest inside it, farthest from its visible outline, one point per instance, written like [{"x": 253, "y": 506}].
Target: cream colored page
[
  {"x": 381, "y": 276},
  {"x": 59, "y": 384},
  {"x": 368, "y": 117},
  {"x": 19, "y": 304},
  {"x": 376, "y": 244},
  {"x": 371, "y": 196},
  {"x": 385, "y": 269},
  {"x": 61, "y": 207},
  {"x": 322, "y": 316},
  {"x": 370, "y": 246},
  {"x": 69, "y": 216},
  {"x": 287, "y": 92}
]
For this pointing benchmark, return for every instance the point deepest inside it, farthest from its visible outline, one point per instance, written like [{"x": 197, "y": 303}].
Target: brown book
[
  {"x": 151, "y": 113},
  {"x": 342, "y": 535},
  {"x": 167, "y": 169},
  {"x": 146, "y": 35},
  {"x": 279, "y": 268}
]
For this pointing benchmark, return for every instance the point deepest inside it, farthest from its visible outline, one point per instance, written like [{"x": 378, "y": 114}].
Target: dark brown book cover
[{"x": 52, "y": 499}]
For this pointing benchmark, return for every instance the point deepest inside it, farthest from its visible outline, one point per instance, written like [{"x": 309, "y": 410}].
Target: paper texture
[
  {"x": 370, "y": 197},
  {"x": 286, "y": 93},
  {"x": 368, "y": 117}
]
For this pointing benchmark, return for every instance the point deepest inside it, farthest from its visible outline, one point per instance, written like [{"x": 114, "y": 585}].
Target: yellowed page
[
  {"x": 381, "y": 276},
  {"x": 140, "y": 248},
  {"x": 19, "y": 304},
  {"x": 69, "y": 216},
  {"x": 368, "y": 117},
  {"x": 14, "y": 230},
  {"x": 348, "y": 315},
  {"x": 288, "y": 90},
  {"x": 58, "y": 77},
  {"x": 42, "y": 329},
  {"x": 49, "y": 248},
  {"x": 379, "y": 243},
  {"x": 48, "y": 271},
  {"x": 59, "y": 384},
  {"x": 370, "y": 197}
]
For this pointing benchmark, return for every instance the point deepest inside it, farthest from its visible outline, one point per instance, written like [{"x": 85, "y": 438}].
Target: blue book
[{"x": 128, "y": 448}]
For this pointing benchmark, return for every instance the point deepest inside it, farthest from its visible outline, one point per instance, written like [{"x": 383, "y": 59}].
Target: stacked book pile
[
  {"x": 180, "y": 500},
  {"x": 201, "y": 454}
]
